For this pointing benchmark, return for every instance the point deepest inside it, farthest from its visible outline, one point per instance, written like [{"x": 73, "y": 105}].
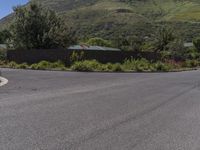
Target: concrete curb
[{"x": 4, "y": 81}]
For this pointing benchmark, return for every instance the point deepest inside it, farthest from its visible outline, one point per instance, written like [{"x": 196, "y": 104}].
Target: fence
[{"x": 52, "y": 55}]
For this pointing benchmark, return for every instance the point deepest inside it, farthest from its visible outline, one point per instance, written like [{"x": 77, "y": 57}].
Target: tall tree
[{"x": 36, "y": 27}]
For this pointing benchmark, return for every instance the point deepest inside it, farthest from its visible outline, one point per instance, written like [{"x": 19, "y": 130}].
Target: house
[
  {"x": 3, "y": 46},
  {"x": 95, "y": 48},
  {"x": 188, "y": 44}
]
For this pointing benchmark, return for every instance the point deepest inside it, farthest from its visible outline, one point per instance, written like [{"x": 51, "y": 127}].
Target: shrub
[
  {"x": 34, "y": 67},
  {"x": 142, "y": 65},
  {"x": 77, "y": 56},
  {"x": 159, "y": 66},
  {"x": 107, "y": 67},
  {"x": 86, "y": 65},
  {"x": 191, "y": 63},
  {"x": 44, "y": 65},
  {"x": 99, "y": 42},
  {"x": 22, "y": 66},
  {"x": 2, "y": 54},
  {"x": 196, "y": 43},
  {"x": 2, "y": 62},
  {"x": 93, "y": 65},
  {"x": 137, "y": 65},
  {"x": 117, "y": 67},
  {"x": 12, "y": 64},
  {"x": 129, "y": 64},
  {"x": 166, "y": 55},
  {"x": 58, "y": 64},
  {"x": 145, "y": 65},
  {"x": 164, "y": 36}
]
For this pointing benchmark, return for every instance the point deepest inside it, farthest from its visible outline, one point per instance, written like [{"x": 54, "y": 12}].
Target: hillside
[{"x": 110, "y": 18}]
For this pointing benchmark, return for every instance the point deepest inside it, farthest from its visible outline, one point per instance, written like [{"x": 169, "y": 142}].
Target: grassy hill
[{"x": 110, "y": 18}]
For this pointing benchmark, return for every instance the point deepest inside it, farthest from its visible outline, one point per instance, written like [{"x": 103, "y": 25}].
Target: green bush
[
  {"x": 99, "y": 42},
  {"x": 86, "y": 65},
  {"x": 3, "y": 62},
  {"x": 58, "y": 64},
  {"x": 191, "y": 63},
  {"x": 137, "y": 65},
  {"x": 191, "y": 54},
  {"x": 22, "y": 66},
  {"x": 2, "y": 54},
  {"x": 107, "y": 67},
  {"x": 117, "y": 67},
  {"x": 129, "y": 64},
  {"x": 12, "y": 64},
  {"x": 45, "y": 65},
  {"x": 77, "y": 56},
  {"x": 140, "y": 65},
  {"x": 196, "y": 43},
  {"x": 93, "y": 65},
  {"x": 159, "y": 66},
  {"x": 34, "y": 67}
]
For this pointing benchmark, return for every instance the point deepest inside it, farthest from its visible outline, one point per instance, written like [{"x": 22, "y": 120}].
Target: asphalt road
[{"x": 42, "y": 110}]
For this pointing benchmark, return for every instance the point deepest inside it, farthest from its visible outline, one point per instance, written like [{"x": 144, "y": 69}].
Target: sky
[{"x": 7, "y": 5}]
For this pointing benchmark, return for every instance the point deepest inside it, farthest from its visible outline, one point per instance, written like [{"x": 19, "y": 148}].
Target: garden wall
[{"x": 52, "y": 55}]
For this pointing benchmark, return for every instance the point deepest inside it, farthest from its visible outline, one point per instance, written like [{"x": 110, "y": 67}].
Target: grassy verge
[
  {"x": 141, "y": 65},
  {"x": 43, "y": 65}
]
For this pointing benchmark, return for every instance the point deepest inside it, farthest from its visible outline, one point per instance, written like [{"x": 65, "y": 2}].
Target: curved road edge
[{"x": 3, "y": 81}]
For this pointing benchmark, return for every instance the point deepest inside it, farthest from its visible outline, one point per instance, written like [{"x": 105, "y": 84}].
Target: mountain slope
[{"x": 109, "y": 18}]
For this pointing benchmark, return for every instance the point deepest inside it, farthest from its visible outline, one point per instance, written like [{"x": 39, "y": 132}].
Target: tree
[
  {"x": 36, "y": 27},
  {"x": 99, "y": 42},
  {"x": 131, "y": 43},
  {"x": 4, "y": 36},
  {"x": 164, "y": 36},
  {"x": 135, "y": 43}
]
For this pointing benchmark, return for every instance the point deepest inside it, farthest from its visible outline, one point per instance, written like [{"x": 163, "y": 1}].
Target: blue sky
[{"x": 7, "y": 5}]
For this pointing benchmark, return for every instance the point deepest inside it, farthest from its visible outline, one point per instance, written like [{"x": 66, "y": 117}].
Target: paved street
[{"x": 43, "y": 110}]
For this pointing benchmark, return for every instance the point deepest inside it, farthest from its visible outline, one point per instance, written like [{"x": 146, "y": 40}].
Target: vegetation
[
  {"x": 131, "y": 65},
  {"x": 196, "y": 43},
  {"x": 99, "y": 42},
  {"x": 36, "y": 27},
  {"x": 4, "y": 36},
  {"x": 134, "y": 65},
  {"x": 163, "y": 38},
  {"x": 129, "y": 43},
  {"x": 129, "y": 25},
  {"x": 43, "y": 65},
  {"x": 111, "y": 18},
  {"x": 2, "y": 54},
  {"x": 77, "y": 56}
]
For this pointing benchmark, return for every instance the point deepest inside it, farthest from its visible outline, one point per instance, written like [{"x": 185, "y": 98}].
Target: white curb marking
[{"x": 3, "y": 81}]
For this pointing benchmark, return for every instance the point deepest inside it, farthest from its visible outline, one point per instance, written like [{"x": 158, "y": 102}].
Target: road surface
[{"x": 42, "y": 110}]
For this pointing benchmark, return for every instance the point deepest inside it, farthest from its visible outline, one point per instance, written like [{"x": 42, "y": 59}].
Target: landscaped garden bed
[{"x": 139, "y": 65}]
